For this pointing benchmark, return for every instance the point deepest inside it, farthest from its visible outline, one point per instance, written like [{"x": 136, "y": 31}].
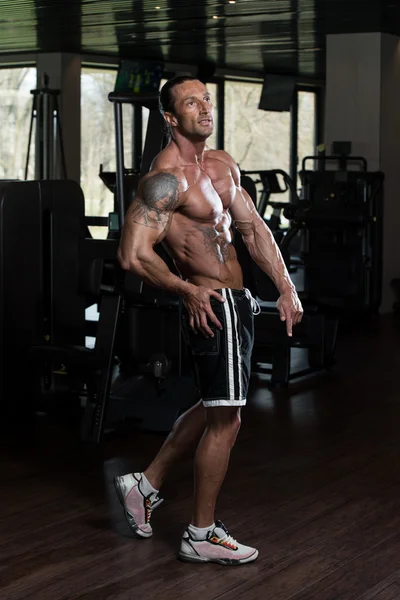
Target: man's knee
[{"x": 224, "y": 420}]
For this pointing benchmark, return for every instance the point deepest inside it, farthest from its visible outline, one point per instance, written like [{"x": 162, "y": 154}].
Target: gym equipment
[
  {"x": 340, "y": 214},
  {"x": 37, "y": 304},
  {"x": 273, "y": 181},
  {"x": 45, "y": 119},
  {"x": 153, "y": 144},
  {"x": 318, "y": 331},
  {"x": 137, "y": 84},
  {"x": 339, "y": 217},
  {"x": 136, "y": 369}
]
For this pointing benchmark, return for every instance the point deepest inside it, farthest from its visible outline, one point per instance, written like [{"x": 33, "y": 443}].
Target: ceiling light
[
  {"x": 215, "y": 17},
  {"x": 232, "y": 1},
  {"x": 158, "y": 7}
]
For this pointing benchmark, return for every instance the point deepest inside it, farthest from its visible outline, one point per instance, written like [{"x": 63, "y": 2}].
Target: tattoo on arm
[{"x": 157, "y": 201}]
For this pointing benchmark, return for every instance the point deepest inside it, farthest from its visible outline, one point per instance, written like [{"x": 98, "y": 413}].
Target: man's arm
[
  {"x": 265, "y": 252},
  {"x": 146, "y": 224}
]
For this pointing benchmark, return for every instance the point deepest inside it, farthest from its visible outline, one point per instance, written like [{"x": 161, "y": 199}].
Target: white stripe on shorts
[
  {"x": 229, "y": 340},
  {"x": 239, "y": 356},
  {"x": 234, "y": 357}
]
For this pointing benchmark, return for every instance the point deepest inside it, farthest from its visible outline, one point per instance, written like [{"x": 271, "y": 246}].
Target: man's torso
[{"x": 199, "y": 236}]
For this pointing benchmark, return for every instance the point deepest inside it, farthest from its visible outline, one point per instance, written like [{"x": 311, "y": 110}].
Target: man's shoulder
[
  {"x": 164, "y": 165},
  {"x": 225, "y": 158}
]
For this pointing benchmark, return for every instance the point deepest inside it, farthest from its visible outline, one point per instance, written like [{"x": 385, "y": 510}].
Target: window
[
  {"x": 306, "y": 139},
  {"x": 98, "y": 140},
  {"x": 212, "y": 141},
  {"x": 15, "y": 115},
  {"x": 255, "y": 138}
]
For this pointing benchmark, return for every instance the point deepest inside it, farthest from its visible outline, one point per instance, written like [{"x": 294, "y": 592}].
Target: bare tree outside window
[
  {"x": 212, "y": 140},
  {"x": 256, "y": 139},
  {"x": 15, "y": 113}
]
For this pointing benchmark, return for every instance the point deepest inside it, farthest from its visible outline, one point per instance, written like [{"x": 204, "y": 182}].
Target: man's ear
[{"x": 171, "y": 119}]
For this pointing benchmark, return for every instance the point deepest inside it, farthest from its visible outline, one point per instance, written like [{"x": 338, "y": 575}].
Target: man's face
[{"x": 193, "y": 110}]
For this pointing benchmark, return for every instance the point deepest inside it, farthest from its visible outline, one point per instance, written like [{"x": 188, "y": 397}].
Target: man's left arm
[{"x": 265, "y": 252}]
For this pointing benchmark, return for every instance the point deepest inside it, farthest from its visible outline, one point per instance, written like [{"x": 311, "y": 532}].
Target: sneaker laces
[
  {"x": 151, "y": 504},
  {"x": 227, "y": 538},
  {"x": 230, "y": 540},
  {"x": 156, "y": 501}
]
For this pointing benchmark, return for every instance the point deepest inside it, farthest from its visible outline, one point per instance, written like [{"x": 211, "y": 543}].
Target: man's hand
[
  {"x": 290, "y": 309},
  {"x": 199, "y": 308}
]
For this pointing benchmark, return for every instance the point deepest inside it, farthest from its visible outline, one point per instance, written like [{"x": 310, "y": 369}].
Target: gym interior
[{"x": 94, "y": 369}]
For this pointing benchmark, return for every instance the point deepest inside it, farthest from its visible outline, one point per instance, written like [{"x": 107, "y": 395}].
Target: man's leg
[
  {"x": 185, "y": 435},
  {"x": 212, "y": 459},
  {"x": 138, "y": 492},
  {"x": 207, "y": 540}
]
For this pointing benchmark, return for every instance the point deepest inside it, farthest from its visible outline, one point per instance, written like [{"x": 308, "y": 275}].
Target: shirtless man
[{"x": 190, "y": 200}]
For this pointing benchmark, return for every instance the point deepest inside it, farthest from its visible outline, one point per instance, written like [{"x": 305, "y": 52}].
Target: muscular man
[{"x": 191, "y": 199}]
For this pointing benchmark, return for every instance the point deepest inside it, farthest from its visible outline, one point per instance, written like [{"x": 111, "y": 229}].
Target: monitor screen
[
  {"x": 277, "y": 93},
  {"x": 138, "y": 77}
]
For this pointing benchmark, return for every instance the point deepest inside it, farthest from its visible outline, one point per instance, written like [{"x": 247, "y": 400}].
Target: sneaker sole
[
  {"x": 229, "y": 562},
  {"x": 129, "y": 518}
]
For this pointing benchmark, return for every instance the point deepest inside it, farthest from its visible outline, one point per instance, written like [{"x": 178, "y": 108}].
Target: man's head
[{"x": 187, "y": 108}]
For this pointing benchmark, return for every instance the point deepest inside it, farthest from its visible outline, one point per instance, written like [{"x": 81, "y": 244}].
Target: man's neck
[{"x": 192, "y": 153}]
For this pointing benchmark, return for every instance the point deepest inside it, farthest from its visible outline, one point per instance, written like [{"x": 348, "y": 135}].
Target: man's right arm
[{"x": 146, "y": 224}]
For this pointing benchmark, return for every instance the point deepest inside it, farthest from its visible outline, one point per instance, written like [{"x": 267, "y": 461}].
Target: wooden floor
[{"x": 314, "y": 484}]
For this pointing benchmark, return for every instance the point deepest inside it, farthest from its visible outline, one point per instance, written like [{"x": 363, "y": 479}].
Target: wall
[
  {"x": 390, "y": 161},
  {"x": 353, "y": 93},
  {"x": 362, "y": 106}
]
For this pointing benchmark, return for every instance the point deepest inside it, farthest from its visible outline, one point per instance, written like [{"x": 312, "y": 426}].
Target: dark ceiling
[{"x": 278, "y": 35}]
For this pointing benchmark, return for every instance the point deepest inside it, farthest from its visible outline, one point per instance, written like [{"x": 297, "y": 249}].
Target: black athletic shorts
[{"x": 222, "y": 364}]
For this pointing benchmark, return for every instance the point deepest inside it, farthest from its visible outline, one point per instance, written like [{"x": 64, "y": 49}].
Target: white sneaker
[
  {"x": 137, "y": 506},
  {"x": 218, "y": 547}
]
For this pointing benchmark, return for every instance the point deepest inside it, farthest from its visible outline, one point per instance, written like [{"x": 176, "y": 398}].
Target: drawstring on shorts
[{"x": 255, "y": 307}]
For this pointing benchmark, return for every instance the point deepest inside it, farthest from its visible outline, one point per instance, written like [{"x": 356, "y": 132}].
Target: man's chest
[{"x": 211, "y": 191}]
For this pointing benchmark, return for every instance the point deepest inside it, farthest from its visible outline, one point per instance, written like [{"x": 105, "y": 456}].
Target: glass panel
[
  {"x": 212, "y": 141},
  {"x": 15, "y": 115},
  {"x": 256, "y": 139},
  {"x": 306, "y": 129},
  {"x": 98, "y": 139}
]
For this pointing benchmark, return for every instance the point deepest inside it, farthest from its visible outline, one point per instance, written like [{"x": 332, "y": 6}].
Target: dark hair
[{"x": 166, "y": 98}]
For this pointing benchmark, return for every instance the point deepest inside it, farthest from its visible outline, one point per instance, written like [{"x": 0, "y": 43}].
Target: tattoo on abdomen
[
  {"x": 156, "y": 201},
  {"x": 214, "y": 243}
]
